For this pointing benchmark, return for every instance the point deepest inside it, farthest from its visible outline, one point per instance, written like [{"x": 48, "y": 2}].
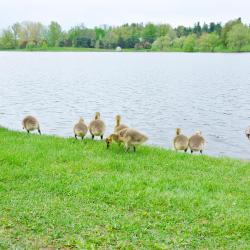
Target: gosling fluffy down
[
  {"x": 116, "y": 137},
  {"x": 180, "y": 141},
  {"x": 80, "y": 129},
  {"x": 132, "y": 138},
  {"x": 97, "y": 127},
  {"x": 118, "y": 125},
  {"x": 196, "y": 142},
  {"x": 30, "y": 123}
]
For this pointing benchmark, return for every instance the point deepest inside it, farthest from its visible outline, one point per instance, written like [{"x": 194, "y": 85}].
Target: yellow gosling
[
  {"x": 97, "y": 127},
  {"x": 118, "y": 125},
  {"x": 30, "y": 123},
  {"x": 132, "y": 138},
  {"x": 196, "y": 142},
  {"x": 80, "y": 129},
  {"x": 180, "y": 141}
]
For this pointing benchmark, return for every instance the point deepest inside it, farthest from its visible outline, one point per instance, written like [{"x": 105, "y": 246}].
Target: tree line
[{"x": 233, "y": 36}]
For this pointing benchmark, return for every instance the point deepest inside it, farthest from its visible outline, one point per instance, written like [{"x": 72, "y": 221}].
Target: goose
[
  {"x": 118, "y": 125},
  {"x": 132, "y": 138},
  {"x": 180, "y": 141},
  {"x": 248, "y": 132},
  {"x": 30, "y": 123},
  {"x": 196, "y": 142},
  {"x": 80, "y": 129},
  {"x": 97, "y": 126},
  {"x": 116, "y": 137}
]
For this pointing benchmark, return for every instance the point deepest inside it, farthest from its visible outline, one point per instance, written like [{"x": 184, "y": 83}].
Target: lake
[{"x": 154, "y": 93}]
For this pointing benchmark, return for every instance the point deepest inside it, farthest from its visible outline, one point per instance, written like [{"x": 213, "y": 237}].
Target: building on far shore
[{"x": 118, "y": 49}]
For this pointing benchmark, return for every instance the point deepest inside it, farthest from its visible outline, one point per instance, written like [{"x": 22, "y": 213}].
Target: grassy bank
[{"x": 62, "y": 193}]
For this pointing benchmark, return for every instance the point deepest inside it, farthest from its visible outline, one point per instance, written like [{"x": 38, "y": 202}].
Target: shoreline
[
  {"x": 72, "y": 49},
  {"x": 150, "y": 146}
]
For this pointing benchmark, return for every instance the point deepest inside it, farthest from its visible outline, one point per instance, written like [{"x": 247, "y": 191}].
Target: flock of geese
[{"x": 130, "y": 137}]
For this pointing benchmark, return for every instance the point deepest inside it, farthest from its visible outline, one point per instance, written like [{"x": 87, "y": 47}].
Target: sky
[{"x": 115, "y": 12}]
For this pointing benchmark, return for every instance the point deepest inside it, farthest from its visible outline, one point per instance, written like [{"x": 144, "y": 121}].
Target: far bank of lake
[{"x": 74, "y": 49}]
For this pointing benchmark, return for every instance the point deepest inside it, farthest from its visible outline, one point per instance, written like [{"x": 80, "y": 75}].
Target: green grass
[{"x": 58, "y": 193}]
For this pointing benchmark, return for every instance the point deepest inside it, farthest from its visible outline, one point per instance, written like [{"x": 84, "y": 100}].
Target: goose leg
[
  {"x": 192, "y": 151},
  {"x": 201, "y": 151},
  {"x": 28, "y": 131},
  {"x": 185, "y": 150},
  {"x": 39, "y": 131},
  {"x": 82, "y": 137},
  {"x": 76, "y": 137},
  {"x": 101, "y": 137},
  {"x": 93, "y": 137},
  {"x": 134, "y": 149}
]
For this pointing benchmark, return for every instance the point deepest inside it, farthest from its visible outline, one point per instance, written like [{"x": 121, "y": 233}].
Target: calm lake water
[{"x": 154, "y": 92}]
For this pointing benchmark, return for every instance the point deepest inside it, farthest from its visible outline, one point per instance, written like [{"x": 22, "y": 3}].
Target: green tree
[
  {"x": 238, "y": 37},
  {"x": 178, "y": 42},
  {"x": 226, "y": 29},
  {"x": 163, "y": 29},
  {"x": 149, "y": 33},
  {"x": 197, "y": 29},
  {"x": 31, "y": 32},
  {"x": 110, "y": 40},
  {"x": 162, "y": 43},
  {"x": 189, "y": 43},
  {"x": 7, "y": 39},
  {"x": 215, "y": 27},
  {"x": 208, "y": 42},
  {"x": 16, "y": 28},
  {"x": 54, "y": 34},
  {"x": 181, "y": 31},
  {"x": 80, "y": 36}
]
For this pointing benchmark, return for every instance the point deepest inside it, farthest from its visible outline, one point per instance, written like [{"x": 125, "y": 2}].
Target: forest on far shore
[{"x": 233, "y": 36}]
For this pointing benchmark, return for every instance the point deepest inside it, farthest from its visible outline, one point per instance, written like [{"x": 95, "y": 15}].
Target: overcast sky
[{"x": 116, "y": 12}]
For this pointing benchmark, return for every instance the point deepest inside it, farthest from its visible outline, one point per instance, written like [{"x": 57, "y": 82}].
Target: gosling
[
  {"x": 196, "y": 142},
  {"x": 180, "y": 141},
  {"x": 132, "y": 138},
  {"x": 97, "y": 127},
  {"x": 116, "y": 137},
  {"x": 30, "y": 123},
  {"x": 111, "y": 138},
  {"x": 118, "y": 125},
  {"x": 248, "y": 132},
  {"x": 80, "y": 129}
]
